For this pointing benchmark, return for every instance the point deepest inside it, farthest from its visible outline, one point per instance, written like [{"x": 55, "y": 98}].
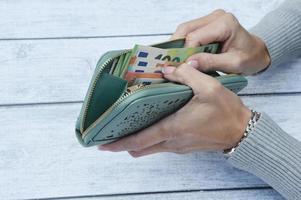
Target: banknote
[
  {"x": 152, "y": 59},
  {"x": 144, "y": 64},
  {"x": 145, "y": 78}
]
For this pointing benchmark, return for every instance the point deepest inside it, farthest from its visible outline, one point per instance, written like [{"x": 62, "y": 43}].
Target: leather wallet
[{"x": 111, "y": 110}]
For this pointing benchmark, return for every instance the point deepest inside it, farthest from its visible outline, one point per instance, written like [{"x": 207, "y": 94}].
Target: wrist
[
  {"x": 243, "y": 118},
  {"x": 255, "y": 116},
  {"x": 263, "y": 54}
]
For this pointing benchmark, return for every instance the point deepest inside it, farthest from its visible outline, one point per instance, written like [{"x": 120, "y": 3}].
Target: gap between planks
[
  {"x": 80, "y": 102},
  {"x": 152, "y": 193},
  {"x": 87, "y": 37}
]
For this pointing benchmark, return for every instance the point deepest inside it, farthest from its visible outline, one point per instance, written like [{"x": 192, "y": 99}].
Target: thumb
[
  {"x": 188, "y": 75},
  {"x": 226, "y": 62}
]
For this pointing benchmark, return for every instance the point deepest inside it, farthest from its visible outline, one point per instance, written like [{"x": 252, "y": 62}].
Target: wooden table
[{"x": 48, "y": 50}]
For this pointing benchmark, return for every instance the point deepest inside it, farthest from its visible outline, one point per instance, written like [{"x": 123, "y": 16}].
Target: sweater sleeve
[
  {"x": 281, "y": 32},
  {"x": 268, "y": 152},
  {"x": 272, "y": 155}
]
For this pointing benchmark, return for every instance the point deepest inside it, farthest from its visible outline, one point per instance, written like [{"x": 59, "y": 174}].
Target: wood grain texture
[
  {"x": 266, "y": 194},
  {"x": 53, "y": 70},
  {"x": 40, "y": 157},
  {"x": 84, "y": 18},
  {"x": 39, "y": 71}
]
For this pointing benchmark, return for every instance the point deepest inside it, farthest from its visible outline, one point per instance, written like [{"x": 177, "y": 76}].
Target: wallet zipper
[
  {"x": 102, "y": 67},
  {"x": 130, "y": 91}
]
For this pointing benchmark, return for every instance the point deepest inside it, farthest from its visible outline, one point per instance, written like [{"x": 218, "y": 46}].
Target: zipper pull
[{"x": 134, "y": 88}]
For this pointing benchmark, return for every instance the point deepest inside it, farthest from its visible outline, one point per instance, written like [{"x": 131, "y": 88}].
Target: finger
[
  {"x": 141, "y": 140},
  {"x": 188, "y": 75},
  {"x": 192, "y": 25},
  {"x": 217, "y": 31},
  {"x": 157, "y": 148},
  {"x": 226, "y": 62}
]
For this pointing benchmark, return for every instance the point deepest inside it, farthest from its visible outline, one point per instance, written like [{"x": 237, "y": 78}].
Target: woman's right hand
[{"x": 242, "y": 52}]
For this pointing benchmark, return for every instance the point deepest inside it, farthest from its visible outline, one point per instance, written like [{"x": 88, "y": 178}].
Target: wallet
[{"x": 111, "y": 110}]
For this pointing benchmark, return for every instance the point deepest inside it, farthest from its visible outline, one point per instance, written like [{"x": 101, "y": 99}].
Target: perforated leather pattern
[{"x": 141, "y": 114}]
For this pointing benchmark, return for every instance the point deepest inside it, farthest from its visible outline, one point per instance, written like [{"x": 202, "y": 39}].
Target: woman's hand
[
  {"x": 214, "y": 119},
  {"x": 242, "y": 52}
]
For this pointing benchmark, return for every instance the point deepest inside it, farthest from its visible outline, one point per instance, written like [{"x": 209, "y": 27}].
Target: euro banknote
[{"x": 145, "y": 63}]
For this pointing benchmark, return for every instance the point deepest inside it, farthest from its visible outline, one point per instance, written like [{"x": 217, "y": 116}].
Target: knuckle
[
  {"x": 181, "y": 27},
  {"x": 231, "y": 19},
  {"x": 191, "y": 37},
  {"x": 207, "y": 60},
  {"x": 179, "y": 71},
  {"x": 237, "y": 62},
  {"x": 219, "y": 11},
  {"x": 230, "y": 16},
  {"x": 213, "y": 89}
]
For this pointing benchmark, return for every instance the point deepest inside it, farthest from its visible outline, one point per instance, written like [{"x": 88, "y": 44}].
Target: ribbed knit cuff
[
  {"x": 272, "y": 155},
  {"x": 281, "y": 32}
]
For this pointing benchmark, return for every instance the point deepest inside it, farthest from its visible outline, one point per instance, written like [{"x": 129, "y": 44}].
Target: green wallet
[{"x": 110, "y": 111}]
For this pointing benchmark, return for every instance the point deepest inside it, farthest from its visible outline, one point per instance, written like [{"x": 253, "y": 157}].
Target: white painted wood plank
[
  {"x": 266, "y": 194},
  {"x": 285, "y": 78},
  {"x": 40, "y": 157},
  {"x": 73, "y": 18},
  {"x": 39, "y": 71},
  {"x": 53, "y": 70},
  {"x": 284, "y": 109}
]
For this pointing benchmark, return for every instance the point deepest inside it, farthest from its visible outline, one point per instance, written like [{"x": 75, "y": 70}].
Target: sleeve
[
  {"x": 281, "y": 32},
  {"x": 272, "y": 155}
]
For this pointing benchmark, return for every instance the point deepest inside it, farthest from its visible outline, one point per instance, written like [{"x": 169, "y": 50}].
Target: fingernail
[
  {"x": 134, "y": 154},
  {"x": 193, "y": 63},
  {"x": 168, "y": 70}
]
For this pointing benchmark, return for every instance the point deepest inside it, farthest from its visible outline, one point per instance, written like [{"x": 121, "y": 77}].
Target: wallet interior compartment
[
  {"x": 107, "y": 91},
  {"x": 118, "y": 65},
  {"x": 107, "y": 88}
]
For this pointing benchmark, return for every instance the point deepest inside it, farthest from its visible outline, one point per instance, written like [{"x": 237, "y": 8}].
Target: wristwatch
[{"x": 251, "y": 124}]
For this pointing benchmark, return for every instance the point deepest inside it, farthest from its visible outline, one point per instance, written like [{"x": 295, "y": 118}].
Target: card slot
[
  {"x": 119, "y": 65},
  {"x": 113, "y": 66},
  {"x": 117, "y": 70}
]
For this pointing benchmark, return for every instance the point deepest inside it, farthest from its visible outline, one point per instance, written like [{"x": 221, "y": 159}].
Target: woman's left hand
[{"x": 213, "y": 120}]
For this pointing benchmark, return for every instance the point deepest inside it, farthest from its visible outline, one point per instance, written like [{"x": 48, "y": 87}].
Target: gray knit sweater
[{"x": 269, "y": 152}]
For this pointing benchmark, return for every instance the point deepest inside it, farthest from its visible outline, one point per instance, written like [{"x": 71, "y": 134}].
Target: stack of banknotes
[{"x": 143, "y": 65}]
